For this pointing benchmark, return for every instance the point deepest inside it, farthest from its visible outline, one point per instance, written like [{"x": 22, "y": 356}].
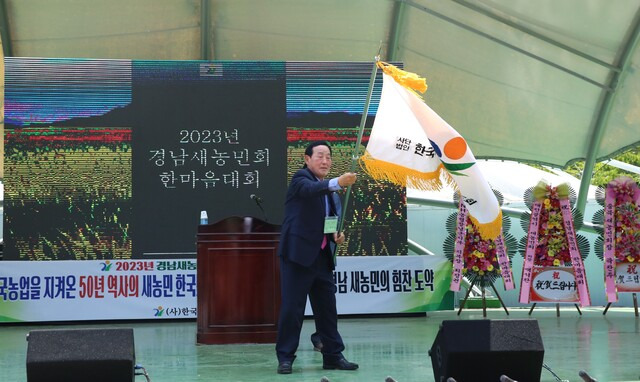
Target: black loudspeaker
[
  {"x": 97, "y": 355},
  {"x": 483, "y": 350}
]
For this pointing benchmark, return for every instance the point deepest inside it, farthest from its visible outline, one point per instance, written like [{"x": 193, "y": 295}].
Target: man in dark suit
[{"x": 307, "y": 245}]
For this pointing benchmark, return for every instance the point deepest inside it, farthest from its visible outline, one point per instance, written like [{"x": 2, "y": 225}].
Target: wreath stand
[
  {"x": 484, "y": 299},
  {"x": 557, "y": 309},
  {"x": 635, "y": 305}
]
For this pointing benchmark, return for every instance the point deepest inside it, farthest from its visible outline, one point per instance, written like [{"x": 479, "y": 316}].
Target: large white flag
[{"x": 410, "y": 145}]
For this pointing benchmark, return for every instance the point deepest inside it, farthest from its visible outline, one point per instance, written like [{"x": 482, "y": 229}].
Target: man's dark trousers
[{"x": 317, "y": 282}]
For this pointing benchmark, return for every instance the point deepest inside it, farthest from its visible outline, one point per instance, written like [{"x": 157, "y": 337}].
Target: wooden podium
[{"x": 238, "y": 281}]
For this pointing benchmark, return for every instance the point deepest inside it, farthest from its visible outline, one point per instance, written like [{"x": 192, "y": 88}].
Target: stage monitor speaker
[
  {"x": 483, "y": 350},
  {"x": 80, "y": 355}
]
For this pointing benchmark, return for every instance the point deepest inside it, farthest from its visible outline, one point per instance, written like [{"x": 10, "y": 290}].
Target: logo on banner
[
  {"x": 106, "y": 266},
  {"x": 158, "y": 311}
]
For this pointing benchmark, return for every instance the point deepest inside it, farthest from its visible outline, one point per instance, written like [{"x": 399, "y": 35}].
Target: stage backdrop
[{"x": 111, "y": 160}]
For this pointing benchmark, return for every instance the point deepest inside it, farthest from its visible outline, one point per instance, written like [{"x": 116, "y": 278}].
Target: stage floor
[{"x": 608, "y": 347}]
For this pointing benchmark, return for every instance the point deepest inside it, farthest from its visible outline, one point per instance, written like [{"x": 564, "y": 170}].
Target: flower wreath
[
  {"x": 551, "y": 234},
  {"x": 619, "y": 227},
  {"x": 481, "y": 258}
]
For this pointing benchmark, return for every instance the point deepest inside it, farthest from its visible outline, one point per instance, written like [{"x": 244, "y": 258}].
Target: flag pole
[{"x": 356, "y": 151}]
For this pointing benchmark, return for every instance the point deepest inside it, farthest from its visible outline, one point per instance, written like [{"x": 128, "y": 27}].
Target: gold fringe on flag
[
  {"x": 491, "y": 230},
  {"x": 403, "y": 176},
  {"x": 409, "y": 80}
]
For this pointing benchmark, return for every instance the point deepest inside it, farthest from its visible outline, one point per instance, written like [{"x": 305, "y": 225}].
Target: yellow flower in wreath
[
  {"x": 490, "y": 268},
  {"x": 475, "y": 268},
  {"x": 481, "y": 273},
  {"x": 556, "y": 262},
  {"x": 630, "y": 258}
]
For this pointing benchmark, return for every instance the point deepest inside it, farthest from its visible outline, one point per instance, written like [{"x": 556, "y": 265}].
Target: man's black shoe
[
  {"x": 284, "y": 367},
  {"x": 341, "y": 364},
  {"x": 316, "y": 341}
]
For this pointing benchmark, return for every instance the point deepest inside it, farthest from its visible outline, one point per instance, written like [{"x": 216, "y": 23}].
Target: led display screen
[{"x": 115, "y": 159}]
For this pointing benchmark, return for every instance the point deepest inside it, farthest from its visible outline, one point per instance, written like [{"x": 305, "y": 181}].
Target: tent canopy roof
[{"x": 541, "y": 81}]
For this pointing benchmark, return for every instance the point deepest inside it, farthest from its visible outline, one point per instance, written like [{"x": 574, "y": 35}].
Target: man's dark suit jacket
[{"x": 303, "y": 226}]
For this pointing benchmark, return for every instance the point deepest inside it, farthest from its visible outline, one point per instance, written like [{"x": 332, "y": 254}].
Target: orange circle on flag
[{"x": 455, "y": 148}]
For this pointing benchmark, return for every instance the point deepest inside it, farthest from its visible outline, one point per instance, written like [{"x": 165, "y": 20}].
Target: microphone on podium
[{"x": 258, "y": 201}]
